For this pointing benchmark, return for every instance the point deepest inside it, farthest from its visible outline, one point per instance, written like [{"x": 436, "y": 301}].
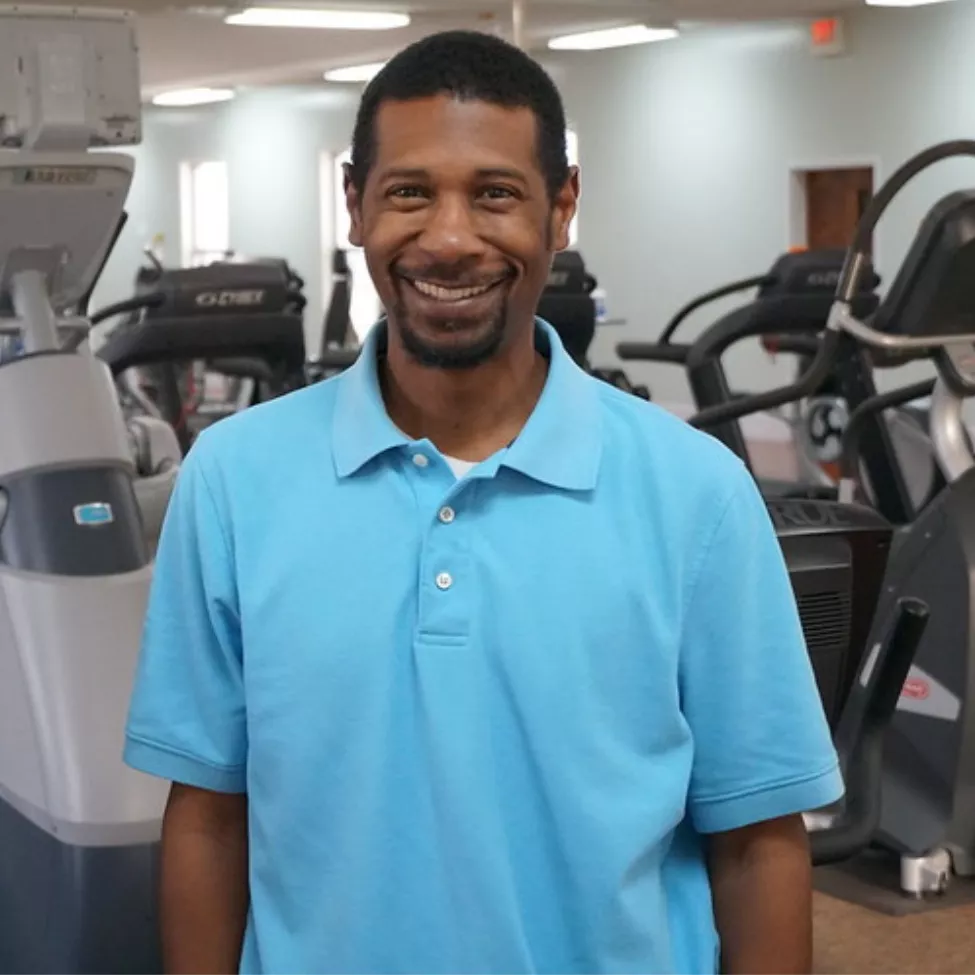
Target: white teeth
[{"x": 449, "y": 294}]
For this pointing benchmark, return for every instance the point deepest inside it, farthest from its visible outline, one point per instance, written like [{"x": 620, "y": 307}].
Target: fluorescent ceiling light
[
  {"x": 357, "y": 72},
  {"x": 193, "y": 96},
  {"x": 902, "y": 3},
  {"x": 322, "y": 19},
  {"x": 597, "y": 40}
]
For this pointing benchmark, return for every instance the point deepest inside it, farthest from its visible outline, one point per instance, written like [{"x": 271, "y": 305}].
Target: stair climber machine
[
  {"x": 200, "y": 343},
  {"x": 78, "y": 830},
  {"x": 928, "y": 784}
]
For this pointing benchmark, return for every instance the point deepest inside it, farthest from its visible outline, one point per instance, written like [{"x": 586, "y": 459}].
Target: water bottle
[{"x": 599, "y": 299}]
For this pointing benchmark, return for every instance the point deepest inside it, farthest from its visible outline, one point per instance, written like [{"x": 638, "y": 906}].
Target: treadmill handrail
[
  {"x": 856, "y": 425},
  {"x": 667, "y": 352},
  {"x": 239, "y": 337},
  {"x": 758, "y": 281}
]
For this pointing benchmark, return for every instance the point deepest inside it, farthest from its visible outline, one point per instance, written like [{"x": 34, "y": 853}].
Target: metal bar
[
  {"x": 949, "y": 434},
  {"x": 31, "y": 304},
  {"x": 518, "y": 22},
  {"x": 841, "y": 319}
]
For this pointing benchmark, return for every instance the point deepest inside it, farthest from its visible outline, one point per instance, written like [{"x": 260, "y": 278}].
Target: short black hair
[{"x": 469, "y": 66}]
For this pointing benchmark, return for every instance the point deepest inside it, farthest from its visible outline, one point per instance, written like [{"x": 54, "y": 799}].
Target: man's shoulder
[
  {"x": 647, "y": 435},
  {"x": 273, "y": 429}
]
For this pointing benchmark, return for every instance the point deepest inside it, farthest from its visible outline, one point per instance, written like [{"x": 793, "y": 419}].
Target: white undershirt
[{"x": 461, "y": 468}]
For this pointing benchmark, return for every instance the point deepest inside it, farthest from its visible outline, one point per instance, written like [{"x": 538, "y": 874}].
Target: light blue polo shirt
[{"x": 485, "y": 723}]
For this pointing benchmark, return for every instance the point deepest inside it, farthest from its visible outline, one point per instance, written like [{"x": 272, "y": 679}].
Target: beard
[{"x": 482, "y": 346}]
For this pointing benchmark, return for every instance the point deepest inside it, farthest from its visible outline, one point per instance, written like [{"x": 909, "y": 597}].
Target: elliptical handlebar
[
  {"x": 866, "y": 411},
  {"x": 861, "y": 737}
]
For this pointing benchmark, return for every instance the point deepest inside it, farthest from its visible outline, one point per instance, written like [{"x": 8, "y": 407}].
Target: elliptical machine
[
  {"x": 78, "y": 829},
  {"x": 928, "y": 810}
]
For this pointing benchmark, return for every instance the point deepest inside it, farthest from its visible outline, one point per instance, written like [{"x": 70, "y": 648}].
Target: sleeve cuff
[
  {"x": 163, "y": 763},
  {"x": 786, "y": 799}
]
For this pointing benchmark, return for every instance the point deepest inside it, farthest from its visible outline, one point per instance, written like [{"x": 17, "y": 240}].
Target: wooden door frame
[{"x": 797, "y": 229}]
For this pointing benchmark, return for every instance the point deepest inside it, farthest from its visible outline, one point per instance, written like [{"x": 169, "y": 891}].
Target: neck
[{"x": 469, "y": 414}]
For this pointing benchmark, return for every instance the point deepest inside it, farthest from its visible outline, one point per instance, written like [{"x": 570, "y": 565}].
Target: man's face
[{"x": 457, "y": 226}]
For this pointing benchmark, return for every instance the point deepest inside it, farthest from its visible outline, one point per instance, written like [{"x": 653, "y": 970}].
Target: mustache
[{"x": 452, "y": 276}]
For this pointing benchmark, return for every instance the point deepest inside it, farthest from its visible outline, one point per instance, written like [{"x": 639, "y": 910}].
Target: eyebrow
[{"x": 493, "y": 172}]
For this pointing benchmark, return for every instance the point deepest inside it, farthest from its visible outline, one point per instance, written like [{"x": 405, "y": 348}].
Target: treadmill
[{"x": 243, "y": 321}]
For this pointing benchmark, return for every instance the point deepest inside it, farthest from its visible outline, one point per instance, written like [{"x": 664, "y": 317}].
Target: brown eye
[
  {"x": 499, "y": 193},
  {"x": 407, "y": 193}
]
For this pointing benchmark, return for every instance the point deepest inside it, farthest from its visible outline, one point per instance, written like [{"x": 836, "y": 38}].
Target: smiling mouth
[{"x": 452, "y": 295}]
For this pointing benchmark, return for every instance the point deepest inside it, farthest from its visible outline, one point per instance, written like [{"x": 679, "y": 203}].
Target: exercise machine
[
  {"x": 928, "y": 784},
  {"x": 788, "y": 312},
  {"x": 78, "y": 829},
  {"x": 569, "y": 306},
  {"x": 201, "y": 343}
]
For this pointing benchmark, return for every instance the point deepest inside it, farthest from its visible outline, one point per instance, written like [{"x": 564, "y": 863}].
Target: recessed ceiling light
[
  {"x": 321, "y": 19},
  {"x": 193, "y": 96},
  {"x": 356, "y": 72},
  {"x": 597, "y": 40},
  {"x": 903, "y": 3}
]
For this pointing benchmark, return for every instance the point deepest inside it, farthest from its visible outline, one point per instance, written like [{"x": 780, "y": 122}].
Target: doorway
[{"x": 832, "y": 201}]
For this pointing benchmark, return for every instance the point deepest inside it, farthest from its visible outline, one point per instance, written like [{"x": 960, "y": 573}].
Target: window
[
  {"x": 572, "y": 150},
  {"x": 204, "y": 212},
  {"x": 365, "y": 304}
]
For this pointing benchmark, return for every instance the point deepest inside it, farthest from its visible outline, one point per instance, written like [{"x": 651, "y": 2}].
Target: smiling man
[{"x": 464, "y": 661}]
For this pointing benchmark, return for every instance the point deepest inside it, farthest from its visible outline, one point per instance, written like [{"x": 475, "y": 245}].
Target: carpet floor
[{"x": 851, "y": 940}]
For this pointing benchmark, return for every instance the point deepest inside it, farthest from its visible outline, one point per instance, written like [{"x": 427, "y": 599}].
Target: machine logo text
[{"x": 230, "y": 299}]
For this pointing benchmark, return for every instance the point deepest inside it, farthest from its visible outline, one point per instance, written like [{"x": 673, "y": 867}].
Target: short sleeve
[
  {"x": 762, "y": 745},
  {"x": 187, "y": 719}
]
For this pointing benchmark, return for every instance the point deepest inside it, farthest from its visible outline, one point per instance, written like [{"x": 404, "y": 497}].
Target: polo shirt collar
[{"x": 560, "y": 445}]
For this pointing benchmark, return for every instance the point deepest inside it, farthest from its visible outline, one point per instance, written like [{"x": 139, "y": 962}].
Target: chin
[{"x": 453, "y": 346}]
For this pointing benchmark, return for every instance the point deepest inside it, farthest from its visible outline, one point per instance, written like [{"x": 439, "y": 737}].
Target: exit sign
[{"x": 827, "y": 37}]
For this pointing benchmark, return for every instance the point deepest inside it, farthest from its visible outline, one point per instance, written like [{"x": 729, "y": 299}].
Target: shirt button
[
  {"x": 445, "y": 580},
  {"x": 447, "y": 514},
  {"x": 420, "y": 460}
]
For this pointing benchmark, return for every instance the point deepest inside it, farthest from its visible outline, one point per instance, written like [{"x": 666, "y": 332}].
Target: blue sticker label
[{"x": 94, "y": 514}]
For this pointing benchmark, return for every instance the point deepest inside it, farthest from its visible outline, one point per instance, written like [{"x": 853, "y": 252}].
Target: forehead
[{"x": 443, "y": 132}]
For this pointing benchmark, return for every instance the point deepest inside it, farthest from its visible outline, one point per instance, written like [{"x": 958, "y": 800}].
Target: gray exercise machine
[
  {"x": 928, "y": 807},
  {"x": 79, "y": 830}
]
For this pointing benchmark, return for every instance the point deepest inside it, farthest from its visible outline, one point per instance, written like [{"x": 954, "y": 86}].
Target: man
[{"x": 464, "y": 661}]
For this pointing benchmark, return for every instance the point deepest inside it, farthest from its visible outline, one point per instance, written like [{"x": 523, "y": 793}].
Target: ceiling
[{"x": 184, "y": 43}]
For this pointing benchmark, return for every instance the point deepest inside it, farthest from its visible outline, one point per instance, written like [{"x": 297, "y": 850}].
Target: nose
[{"x": 450, "y": 233}]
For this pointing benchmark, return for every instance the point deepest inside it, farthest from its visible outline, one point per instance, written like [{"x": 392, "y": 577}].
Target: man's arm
[
  {"x": 762, "y": 748},
  {"x": 761, "y": 879},
  {"x": 204, "y": 898},
  {"x": 188, "y": 723}
]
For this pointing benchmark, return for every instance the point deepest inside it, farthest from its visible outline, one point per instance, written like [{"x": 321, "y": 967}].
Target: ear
[
  {"x": 353, "y": 203},
  {"x": 564, "y": 208}
]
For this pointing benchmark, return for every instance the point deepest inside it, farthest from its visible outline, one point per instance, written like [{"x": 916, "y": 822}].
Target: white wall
[{"x": 686, "y": 149}]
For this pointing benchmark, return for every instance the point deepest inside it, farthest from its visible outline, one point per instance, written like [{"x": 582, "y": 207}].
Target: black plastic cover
[
  {"x": 259, "y": 287},
  {"x": 72, "y": 522},
  {"x": 837, "y": 556},
  {"x": 934, "y": 291},
  {"x": 278, "y": 339},
  {"x": 811, "y": 272}
]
